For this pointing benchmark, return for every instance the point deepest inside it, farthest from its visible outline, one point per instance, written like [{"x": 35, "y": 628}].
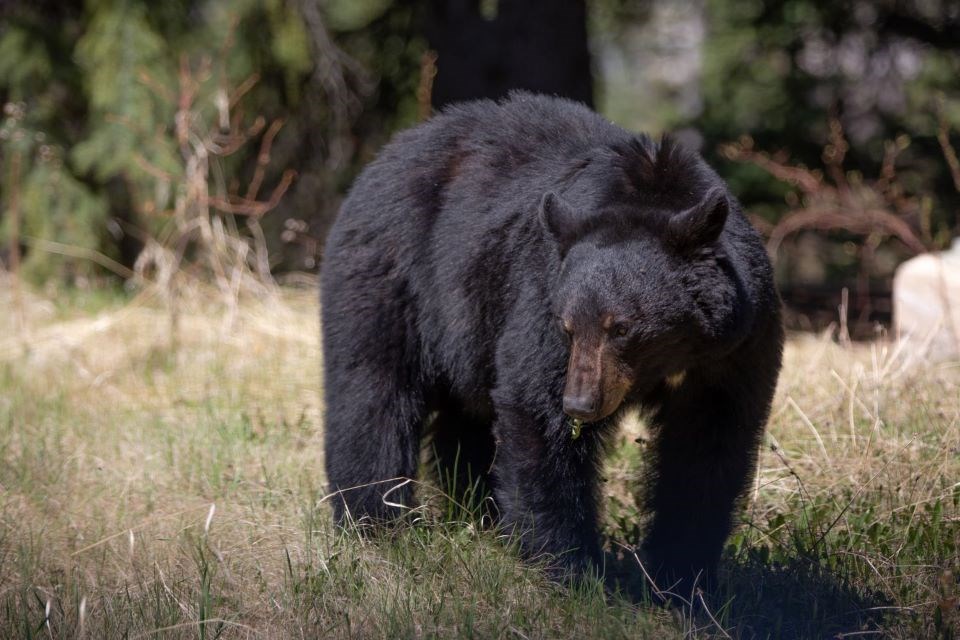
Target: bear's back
[
  {"x": 529, "y": 128},
  {"x": 489, "y": 149}
]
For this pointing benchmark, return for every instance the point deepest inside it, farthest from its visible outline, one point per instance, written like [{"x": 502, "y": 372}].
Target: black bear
[{"x": 522, "y": 272}]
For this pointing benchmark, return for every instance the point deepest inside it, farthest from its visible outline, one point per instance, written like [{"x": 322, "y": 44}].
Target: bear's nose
[{"x": 582, "y": 407}]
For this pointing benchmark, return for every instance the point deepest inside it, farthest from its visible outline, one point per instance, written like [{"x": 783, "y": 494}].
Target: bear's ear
[
  {"x": 701, "y": 224},
  {"x": 559, "y": 219}
]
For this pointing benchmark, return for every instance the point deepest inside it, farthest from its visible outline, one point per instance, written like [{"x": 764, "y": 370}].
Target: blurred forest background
[{"x": 135, "y": 133}]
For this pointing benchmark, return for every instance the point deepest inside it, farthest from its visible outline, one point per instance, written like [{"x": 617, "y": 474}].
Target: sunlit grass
[{"x": 150, "y": 493}]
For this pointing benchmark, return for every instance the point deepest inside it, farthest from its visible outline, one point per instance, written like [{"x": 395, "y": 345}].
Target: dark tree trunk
[{"x": 515, "y": 44}]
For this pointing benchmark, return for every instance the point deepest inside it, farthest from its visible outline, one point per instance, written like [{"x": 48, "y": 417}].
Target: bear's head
[{"x": 644, "y": 286}]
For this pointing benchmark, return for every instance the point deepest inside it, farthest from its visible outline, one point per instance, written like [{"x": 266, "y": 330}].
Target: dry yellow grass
[{"x": 145, "y": 492}]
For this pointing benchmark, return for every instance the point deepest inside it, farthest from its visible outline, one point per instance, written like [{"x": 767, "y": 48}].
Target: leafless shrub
[
  {"x": 213, "y": 235},
  {"x": 836, "y": 200}
]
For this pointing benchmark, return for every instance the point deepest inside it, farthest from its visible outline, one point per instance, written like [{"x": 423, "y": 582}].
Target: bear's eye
[{"x": 621, "y": 330}]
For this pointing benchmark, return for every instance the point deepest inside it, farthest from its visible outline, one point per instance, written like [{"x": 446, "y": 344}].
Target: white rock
[{"x": 926, "y": 303}]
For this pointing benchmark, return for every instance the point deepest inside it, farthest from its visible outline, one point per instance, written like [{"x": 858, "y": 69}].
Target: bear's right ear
[{"x": 559, "y": 219}]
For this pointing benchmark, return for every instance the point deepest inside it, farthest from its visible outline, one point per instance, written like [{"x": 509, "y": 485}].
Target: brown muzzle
[{"x": 594, "y": 389}]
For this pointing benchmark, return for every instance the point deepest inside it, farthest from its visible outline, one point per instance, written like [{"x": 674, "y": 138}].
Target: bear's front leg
[
  {"x": 706, "y": 434},
  {"x": 546, "y": 489}
]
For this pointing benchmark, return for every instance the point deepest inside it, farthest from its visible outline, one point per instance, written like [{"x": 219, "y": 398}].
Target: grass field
[{"x": 146, "y": 492}]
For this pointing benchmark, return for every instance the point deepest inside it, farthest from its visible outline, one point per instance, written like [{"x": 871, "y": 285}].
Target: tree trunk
[{"x": 485, "y": 48}]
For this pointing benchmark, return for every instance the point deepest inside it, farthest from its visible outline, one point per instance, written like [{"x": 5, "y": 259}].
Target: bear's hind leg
[
  {"x": 374, "y": 402},
  {"x": 372, "y": 449}
]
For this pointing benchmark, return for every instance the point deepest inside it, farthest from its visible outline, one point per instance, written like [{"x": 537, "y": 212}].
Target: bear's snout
[
  {"x": 593, "y": 388},
  {"x": 583, "y": 389},
  {"x": 583, "y": 407}
]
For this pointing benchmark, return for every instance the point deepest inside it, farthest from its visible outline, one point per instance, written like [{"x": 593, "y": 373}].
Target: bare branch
[{"x": 256, "y": 208}]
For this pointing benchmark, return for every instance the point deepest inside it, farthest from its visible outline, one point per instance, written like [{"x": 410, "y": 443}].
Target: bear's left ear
[
  {"x": 559, "y": 219},
  {"x": 701, "y": 224}
]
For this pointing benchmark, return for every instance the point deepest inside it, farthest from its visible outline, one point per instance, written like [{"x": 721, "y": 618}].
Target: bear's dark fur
[{"x": 505, "y": 266}]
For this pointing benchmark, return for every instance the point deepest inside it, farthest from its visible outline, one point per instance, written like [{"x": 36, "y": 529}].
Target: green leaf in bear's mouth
[{"x": 575, "y": 425}]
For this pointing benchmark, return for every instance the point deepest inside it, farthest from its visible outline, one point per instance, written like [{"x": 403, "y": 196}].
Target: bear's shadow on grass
[{"x": 799, "y": 599}]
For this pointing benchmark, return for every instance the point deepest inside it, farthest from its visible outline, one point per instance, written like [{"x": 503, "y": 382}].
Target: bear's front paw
[
  {"x": 677, "y": 581},
  {"x": 573, "y": 568}
]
